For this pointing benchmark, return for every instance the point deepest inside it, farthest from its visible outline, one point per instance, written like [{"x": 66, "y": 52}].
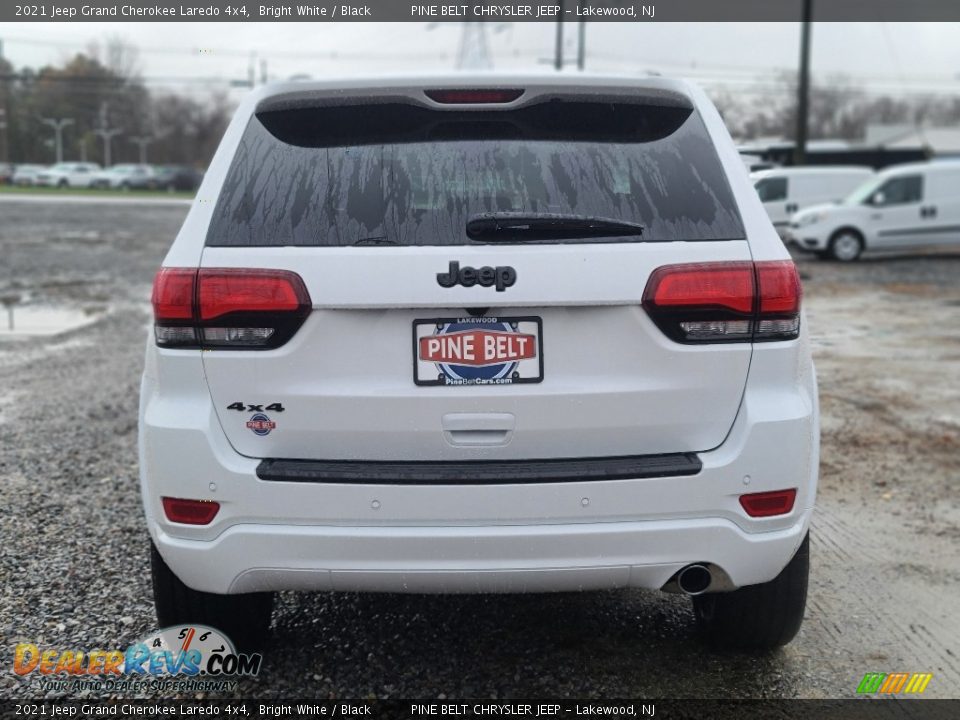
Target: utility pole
[
  {"x": 142, "y": 141},
  {"x": 3, "y": 113},
  {"x": 473, "y": 50},
  {"x": 581, "y": 43},
  {"x": 803, "y": 86},
  {"x": 558, "y": 53},
  {"x": 58, "y": 124},
  {"x": 4, "y": 150},
  {"x": 263, "y": 71}
]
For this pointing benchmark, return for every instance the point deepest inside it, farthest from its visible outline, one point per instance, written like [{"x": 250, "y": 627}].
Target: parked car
[
  {"x": 126, "y": 177},
  {"x": 479, "y": 334},
  {"x": 904, "y": 207},
  {"x": 784, "y": 191},
  {"x": 68, "y": 174},
  {"x": 6, "y": 173},
  {"x": 26, "y": 175},
  {"x": 178, "y": 177}
]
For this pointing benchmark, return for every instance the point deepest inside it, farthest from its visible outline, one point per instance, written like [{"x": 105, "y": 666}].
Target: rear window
[{"x": 399, "y": 174}]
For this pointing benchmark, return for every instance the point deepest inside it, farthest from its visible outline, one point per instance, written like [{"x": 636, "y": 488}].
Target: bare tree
[{"x": 117, "y": 55}]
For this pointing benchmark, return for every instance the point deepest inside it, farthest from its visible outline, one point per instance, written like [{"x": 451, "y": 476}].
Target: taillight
[
  {"x": 474, "y": 96},
  {"x": 767, "y": 504},
  {"x": 778, "y": 317},
  {"x": 725, "y": 301},
  {"x": 227, "y": 308},
  {"x": 190, "y": 512}
]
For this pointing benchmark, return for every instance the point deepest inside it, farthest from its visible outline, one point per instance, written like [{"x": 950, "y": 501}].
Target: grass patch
[{"x": 65, "y": 192}]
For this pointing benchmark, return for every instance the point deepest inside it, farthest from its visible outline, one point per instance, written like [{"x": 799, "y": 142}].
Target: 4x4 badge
[{"x": 503, "y": 276}]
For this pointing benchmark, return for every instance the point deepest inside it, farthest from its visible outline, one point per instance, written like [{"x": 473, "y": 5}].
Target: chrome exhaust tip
[{"x": 694, "y": 579}]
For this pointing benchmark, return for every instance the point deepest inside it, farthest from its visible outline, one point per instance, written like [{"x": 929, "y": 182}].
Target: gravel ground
[{"x": 74, "y": 568}]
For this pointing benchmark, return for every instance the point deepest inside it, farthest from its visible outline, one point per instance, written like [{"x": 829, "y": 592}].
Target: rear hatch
[{"x": 460, "y": 307}]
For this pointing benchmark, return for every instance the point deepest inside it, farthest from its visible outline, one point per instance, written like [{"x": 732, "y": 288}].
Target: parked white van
[
  {"x": 784, "y": 191},
  {"x": 904, "y": 207}
]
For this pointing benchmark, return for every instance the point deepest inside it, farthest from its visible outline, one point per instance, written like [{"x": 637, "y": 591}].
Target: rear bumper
[
  {"x": 510, "y": 558},
  {"x": 503, "y": 537}
]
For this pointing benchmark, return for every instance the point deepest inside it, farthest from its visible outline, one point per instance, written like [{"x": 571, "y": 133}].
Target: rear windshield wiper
[{"x": 524, "y": 227}]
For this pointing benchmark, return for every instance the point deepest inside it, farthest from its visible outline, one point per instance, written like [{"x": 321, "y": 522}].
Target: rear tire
[
  {"x": 846, "y": 245},
  {"x": 245, "y": 619},
  {"x": 757, "y": 617}
]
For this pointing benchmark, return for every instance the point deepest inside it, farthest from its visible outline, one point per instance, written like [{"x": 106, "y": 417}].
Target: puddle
[{"x": 44, "y": 320}]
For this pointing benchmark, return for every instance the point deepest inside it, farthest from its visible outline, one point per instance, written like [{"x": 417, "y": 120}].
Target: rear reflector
[
  {"x": 474, "y": 96},
  {"x": 767, "y": 504},
  {"x": 228, "y": 308},
  {"x": 190, "y": 512},
  {"x": 725, "y": 301}
]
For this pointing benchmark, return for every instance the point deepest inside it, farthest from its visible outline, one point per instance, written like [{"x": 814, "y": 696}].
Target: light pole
[
  {"x": 142, "y": 141},
  {"x": 107, "y": 135},
  {"x": 58, "y": 124}
]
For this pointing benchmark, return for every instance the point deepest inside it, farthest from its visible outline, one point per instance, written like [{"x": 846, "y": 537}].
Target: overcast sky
[{"x": 893, "y": 58}]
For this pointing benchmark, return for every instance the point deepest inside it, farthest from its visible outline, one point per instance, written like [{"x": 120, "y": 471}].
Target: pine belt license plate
[{"x": 477, "y": 351}]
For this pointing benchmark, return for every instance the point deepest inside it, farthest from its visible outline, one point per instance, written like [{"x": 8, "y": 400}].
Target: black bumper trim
[{"x": 479, "y": 472}]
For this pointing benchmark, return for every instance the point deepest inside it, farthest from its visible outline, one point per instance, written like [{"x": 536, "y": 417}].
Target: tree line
[
  {"x": 838, "y": 110},
  {"x": 102, "y": 89}
]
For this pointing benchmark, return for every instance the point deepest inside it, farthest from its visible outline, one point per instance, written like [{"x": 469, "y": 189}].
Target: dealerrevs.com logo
[{"x": 185, "y": 658}]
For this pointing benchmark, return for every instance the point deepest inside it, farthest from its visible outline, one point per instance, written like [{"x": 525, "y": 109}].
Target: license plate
[{"x": 477, "y": 351}]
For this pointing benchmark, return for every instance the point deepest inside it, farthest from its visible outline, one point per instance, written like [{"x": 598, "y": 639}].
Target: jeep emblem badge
[{"x": 503, "y": 276}]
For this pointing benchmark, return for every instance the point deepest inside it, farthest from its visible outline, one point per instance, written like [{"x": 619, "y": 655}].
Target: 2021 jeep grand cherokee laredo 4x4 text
[{"x": 479, "y": 334}]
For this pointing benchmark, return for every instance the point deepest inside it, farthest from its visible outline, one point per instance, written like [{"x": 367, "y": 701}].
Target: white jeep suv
[{"x": 479, "y": 334}]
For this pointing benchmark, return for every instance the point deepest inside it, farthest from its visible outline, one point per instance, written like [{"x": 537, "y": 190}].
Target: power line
[{"x": 238, "y": 53}]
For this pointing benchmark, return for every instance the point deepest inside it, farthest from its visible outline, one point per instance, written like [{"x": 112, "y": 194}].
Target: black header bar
[
  {"x": 464, "y": 11},
  {"x": 490, "y": 709}
]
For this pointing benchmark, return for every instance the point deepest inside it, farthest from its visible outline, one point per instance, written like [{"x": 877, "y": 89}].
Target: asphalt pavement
[{"x": 74, "y": 567}]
